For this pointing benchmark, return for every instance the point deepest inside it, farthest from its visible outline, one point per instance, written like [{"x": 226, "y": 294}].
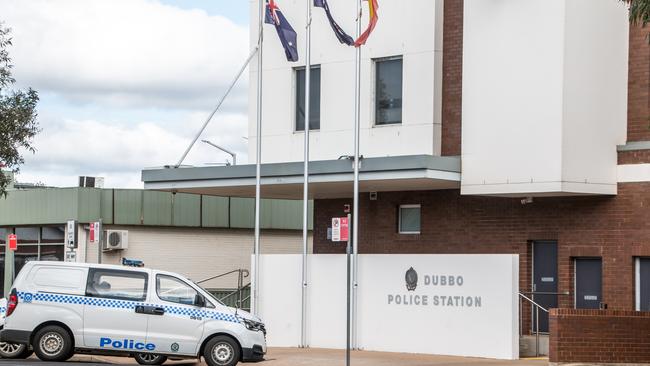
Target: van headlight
[{"x": 254, "y": 326}]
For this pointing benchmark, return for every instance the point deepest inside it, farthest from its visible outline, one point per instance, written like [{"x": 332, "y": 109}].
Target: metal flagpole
[
  {"x": 305, "y": 195},
  {"x": 357, "y": 163},
  {"x": 258, "y": 164}
]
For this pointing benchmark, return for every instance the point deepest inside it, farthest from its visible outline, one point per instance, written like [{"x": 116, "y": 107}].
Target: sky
[{"x": 125, "y": 84}]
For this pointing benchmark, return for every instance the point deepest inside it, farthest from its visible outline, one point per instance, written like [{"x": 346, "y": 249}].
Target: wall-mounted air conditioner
[{"x": 115, "y": 240}]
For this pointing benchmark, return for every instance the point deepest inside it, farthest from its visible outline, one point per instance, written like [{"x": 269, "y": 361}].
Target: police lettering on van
[{"x": 63, "y": 308}]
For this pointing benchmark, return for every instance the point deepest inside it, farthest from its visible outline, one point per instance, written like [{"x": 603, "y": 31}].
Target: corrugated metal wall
[{"x": 148, "y": 208}]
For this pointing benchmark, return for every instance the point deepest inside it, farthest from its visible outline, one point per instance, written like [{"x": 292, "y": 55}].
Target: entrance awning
[{"x": 328, "y": 178}]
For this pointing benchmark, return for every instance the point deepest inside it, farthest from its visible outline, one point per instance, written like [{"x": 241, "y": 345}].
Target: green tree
[
  {"x": 18, "y": 124},
  {"x": 639, "y": 11}
]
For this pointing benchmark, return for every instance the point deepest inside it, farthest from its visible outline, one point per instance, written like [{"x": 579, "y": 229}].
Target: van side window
[
  {"x": 174, "y": 290},
  {"x": 116, "y": 284}
]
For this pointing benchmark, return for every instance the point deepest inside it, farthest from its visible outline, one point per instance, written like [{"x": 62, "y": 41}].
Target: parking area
[{"x": 317, "y": 357}]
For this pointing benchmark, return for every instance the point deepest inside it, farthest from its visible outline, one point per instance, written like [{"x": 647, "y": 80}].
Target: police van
[{"x": 57, "y": 309}]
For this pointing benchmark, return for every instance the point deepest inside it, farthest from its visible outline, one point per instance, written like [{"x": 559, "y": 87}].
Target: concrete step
[{"x": 527, "y": 344}]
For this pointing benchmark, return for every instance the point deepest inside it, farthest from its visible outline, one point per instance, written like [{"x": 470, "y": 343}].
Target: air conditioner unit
[{"x": 115, "y": 240}]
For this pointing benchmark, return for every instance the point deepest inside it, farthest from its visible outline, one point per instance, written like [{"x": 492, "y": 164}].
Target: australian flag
[
  {"x": 338, "y": 31},
  {"x": 286, "y": 33}
]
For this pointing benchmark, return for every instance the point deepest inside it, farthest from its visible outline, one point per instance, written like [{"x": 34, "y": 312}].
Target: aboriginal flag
[
  {"x": 287, "y": 35},
  {"x": 373, "y": 5}
]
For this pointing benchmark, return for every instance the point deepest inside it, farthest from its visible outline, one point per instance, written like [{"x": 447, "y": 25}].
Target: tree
[
  {"x": 639, "y": 11},
  {"x": 18, "y": 124}
]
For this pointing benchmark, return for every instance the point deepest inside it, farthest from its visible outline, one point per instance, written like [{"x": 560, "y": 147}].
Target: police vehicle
[{"x": 57, "y": 309}]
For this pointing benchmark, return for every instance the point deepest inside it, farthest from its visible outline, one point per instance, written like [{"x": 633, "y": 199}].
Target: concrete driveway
[{"x": 313, "y": 357}]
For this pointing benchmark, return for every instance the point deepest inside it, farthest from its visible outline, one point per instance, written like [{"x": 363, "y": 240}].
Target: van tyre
[
  {"x": 221, "y": 351},
  {"x": 14, "y": 350},
  {"x": 150, "y": 359},
  {"x": 53, "y": 343}
]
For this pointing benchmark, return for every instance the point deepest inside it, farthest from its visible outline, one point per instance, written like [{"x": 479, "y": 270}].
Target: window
[
  {"x": 314, "y": 99},
  {"x": 409, "y": 219},
  {"x": 388, "y": 91},
  {"x": 116, "y": 284},
  {"x": 174, "y": 290}
]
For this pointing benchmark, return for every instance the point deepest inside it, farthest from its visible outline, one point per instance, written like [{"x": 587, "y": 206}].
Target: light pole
[{"x": 234, "y": 156}]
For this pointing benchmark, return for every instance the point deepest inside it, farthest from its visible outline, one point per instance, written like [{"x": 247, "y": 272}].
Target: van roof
[{"x": 86, "y": 265}]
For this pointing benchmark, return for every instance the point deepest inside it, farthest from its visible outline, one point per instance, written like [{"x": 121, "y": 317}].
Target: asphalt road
[{"x": 40, "y": 363}]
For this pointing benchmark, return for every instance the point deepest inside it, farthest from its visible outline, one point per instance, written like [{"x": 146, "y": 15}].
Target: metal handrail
[
  {"x": 245, "y": 272},
  {"x": 537, "y": 308},
  {"x": 565, "y": 293},
  {"x": 235, "y": 291}
]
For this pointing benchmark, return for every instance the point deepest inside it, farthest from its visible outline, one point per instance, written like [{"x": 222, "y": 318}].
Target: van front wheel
[
  {"x": 222, "y": 351},
  {"x": 53, "y": 343}
]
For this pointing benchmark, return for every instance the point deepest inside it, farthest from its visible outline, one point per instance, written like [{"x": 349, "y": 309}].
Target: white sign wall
[{"x": 462, "y": 305}]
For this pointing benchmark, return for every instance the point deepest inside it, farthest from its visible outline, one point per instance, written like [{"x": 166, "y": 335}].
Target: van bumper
[
  {"x": 15, "y": 336},
  {"x": 254, "y": 354}
]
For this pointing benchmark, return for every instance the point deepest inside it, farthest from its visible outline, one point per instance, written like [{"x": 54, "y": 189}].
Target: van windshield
[{"x": 210, "y": 294}]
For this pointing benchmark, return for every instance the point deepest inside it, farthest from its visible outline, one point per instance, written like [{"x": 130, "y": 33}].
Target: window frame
[
  {"x": 375, "y": 99},
  {"x": 158, "y": 275},
  {"x": 118, "y": 273},
  {"x": 399, "y": 219},
  {"x": 294, "y": 122}
]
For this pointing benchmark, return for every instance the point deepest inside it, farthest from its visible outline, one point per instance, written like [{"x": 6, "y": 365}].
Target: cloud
[
  {"x": 69, "y": 148},
  {"x": 126, "y": 53}
]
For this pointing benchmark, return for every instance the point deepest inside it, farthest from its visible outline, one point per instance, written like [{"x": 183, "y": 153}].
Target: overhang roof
[{"x": 328, "y": 178}]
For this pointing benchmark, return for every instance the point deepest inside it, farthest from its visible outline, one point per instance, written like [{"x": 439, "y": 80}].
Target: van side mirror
[{"x": 199, "y": 301}]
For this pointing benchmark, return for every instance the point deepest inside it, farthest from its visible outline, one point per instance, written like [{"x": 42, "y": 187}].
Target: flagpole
[
  {"x": 305, "y": 195},
  {"x": 258, "y": 164},
  {"x": 357, "y": 163}
]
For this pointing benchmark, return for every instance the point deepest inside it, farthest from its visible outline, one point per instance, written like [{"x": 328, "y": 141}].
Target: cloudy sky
[{"x": 125, "y": 84}]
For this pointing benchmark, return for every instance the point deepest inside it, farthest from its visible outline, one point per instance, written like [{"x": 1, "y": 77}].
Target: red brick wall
[
  {"x": 599, "y": 336},
  {"x": 634, "y": 157},
  {"x": 452, "y": 76},
  {"x": 614, "y": 227},
  {"x": 638, "y": 127}
]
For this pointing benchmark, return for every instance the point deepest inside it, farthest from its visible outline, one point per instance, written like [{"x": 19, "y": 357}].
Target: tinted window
[
  {"x": 388, "y": 91},
  {"x": 314, "y": 99},
  {"x": 115, "y": 284},
  {"x": 172, "y": 289},
  {"x": 409, "y": 219}
]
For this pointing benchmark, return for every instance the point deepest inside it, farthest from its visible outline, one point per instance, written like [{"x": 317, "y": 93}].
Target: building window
[
  {"x": 314, "y": 99},
  {"x": 388, "y": 91},
  {"x": 409, "y": 219}
]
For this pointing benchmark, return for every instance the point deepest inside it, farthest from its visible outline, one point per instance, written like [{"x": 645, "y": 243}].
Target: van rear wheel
[
  {"x": 222, "y": 351},
  {"x": 14, "y": 350},
  {"x": 150, "y": 359},
  {"x": 53, "y": 343}
]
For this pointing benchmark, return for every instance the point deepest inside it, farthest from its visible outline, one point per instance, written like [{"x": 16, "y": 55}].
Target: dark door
[
  {"x": 643, "y": 290},
  {"x": 544, "y": 280},
  {"x": 588, "y": 283}
]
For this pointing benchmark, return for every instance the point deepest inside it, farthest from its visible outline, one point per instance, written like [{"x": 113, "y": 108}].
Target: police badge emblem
[{"x": 411, "y": 279}]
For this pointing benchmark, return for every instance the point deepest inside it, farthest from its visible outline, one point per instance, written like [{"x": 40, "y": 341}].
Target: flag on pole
[
  {"x": 286, "y": 33},
  {"x": 338, "y": 31},
  {"x": 373, "y": 6}
]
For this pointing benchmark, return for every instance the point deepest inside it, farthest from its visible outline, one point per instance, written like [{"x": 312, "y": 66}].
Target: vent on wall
[{"x": 91, "y": 182}]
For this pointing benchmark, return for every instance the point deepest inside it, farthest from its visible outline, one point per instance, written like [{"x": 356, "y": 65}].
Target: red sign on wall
[
  {"x": 13, "y": 241},
  {"x": 340, "y": 229}
]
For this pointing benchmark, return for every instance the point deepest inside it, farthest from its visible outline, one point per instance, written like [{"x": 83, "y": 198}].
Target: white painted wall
[
  {"x": 414, "y": 31},
  {"x": 490, "y": 330},
  {"x": 544, "y": 96},
  {"x": 194, "y": 252}
]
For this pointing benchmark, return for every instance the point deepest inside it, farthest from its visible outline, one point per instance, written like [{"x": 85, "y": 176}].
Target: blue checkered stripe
[{"x": 124, "y": 304}]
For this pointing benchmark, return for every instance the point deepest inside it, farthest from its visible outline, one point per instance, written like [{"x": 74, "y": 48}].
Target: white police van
[{"x": 59, "y": 308}]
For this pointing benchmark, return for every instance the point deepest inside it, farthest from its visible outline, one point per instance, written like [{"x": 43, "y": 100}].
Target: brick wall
[
  {"x": 615, "y": 228},
  {"x": 639, "y": 85},
  {"x": 599, "y": 336},
  {"x": 634, "y": 157},
  {"x": 452, "y": 80}
]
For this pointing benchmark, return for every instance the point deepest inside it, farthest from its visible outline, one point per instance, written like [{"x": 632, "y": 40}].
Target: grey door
[
  {"x": 588, "y": 283},
  {"x": 643, "y": 289},
  {"x": 544, "y": 280}
]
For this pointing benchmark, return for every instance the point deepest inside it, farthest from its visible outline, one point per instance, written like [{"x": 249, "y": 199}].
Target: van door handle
[
  {"x": 158, "y": 311},
  {"x": 150, "y": 310}
]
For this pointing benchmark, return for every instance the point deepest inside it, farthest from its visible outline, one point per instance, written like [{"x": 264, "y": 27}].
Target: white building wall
[
  {"x": 196, "y": 253},
  {"x": 544, "y": 96},
  {"x": 413, "y": 31}
]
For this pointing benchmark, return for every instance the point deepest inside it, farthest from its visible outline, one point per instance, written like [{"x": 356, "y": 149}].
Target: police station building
[{"x": 509, "y": 127}]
